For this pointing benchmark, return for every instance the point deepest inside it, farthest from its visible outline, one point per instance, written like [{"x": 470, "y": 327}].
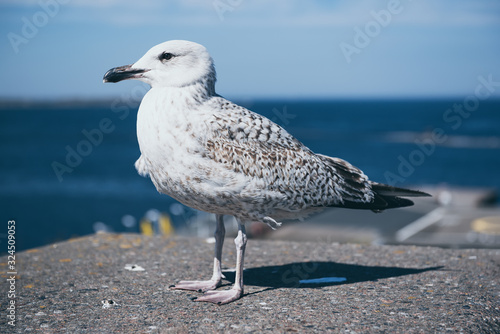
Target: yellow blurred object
[
  {"x": 487, "y": 225},
  {"x": 165, "y": 225},
  {"x": 146, "y": 227}
]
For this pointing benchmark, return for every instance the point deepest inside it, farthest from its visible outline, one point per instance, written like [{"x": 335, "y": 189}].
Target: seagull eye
[{"x": 166, "y": 56}]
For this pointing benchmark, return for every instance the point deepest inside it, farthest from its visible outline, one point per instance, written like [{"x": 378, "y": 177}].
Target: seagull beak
[{"x": 123, "y": 73}]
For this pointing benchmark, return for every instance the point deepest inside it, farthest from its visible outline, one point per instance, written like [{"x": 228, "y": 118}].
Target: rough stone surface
[{"x": 82, "y": 286}]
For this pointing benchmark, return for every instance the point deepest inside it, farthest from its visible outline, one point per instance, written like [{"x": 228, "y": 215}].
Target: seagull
[{"x": 216, "y": 156}]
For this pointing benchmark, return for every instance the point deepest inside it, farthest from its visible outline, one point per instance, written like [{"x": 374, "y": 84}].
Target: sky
[{"x": 60, "y": 49}]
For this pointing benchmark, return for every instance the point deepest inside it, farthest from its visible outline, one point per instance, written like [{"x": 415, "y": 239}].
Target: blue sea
[{"x": 66, "y": 166}]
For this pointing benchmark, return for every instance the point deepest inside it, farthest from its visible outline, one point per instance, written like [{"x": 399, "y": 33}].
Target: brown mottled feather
[{"x": 249, "y": 143}]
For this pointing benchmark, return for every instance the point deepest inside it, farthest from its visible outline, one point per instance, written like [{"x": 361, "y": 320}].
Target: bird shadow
[{"x": 319, "y": 274}]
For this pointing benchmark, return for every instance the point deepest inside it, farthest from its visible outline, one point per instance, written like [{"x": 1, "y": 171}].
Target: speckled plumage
[
  {"x": 216, "y": 156},
  {"x": 219, "y": 157}
]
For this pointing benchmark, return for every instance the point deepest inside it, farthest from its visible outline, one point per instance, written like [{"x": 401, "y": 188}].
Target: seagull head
[{"x": 171, "y": 64}]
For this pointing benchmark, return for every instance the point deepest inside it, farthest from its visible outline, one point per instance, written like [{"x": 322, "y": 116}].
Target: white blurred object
[
  {"x": 100, "y": 227},
  {"x": 129, "y": 221},
  {"x": 177, "y": 209},
  {"x": 445, "y": 198},
  {"x": 134, "y": 267},
  {"x": 153, "y": 215}
]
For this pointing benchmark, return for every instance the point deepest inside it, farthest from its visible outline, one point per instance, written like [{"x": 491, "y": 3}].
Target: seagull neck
[
  {"x": 197, "y": 92},
  {"x": 204, "y": 88},
  {"x": 190, "y": 95}
]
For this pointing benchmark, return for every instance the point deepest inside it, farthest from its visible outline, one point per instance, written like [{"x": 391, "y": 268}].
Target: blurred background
[{"x": 408, "y": 91}]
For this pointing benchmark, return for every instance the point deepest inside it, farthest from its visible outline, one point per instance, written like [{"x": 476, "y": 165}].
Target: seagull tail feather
[
  {"x": 391, "y": 191},
  {"x": 385, "y": 197},
  {"x": 393, "y": 196}
]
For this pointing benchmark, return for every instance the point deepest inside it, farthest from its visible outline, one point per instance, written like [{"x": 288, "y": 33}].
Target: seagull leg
[
  {"x": 227, "y": 296},
  {"x": 215, "y": 281}
]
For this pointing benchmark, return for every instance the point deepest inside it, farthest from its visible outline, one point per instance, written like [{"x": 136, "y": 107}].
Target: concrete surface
[{"x": 83, "y": 286}]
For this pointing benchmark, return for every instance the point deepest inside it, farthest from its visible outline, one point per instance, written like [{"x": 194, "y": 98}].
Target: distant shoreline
[
  {"x": 26, "y": 104},
  {"x": 19, "y": 103}
]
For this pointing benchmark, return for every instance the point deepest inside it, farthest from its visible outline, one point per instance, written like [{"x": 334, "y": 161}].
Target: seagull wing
[{"x": 248, "y": 143}]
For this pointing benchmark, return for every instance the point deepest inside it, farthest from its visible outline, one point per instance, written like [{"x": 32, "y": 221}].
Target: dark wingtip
[{"x": 387, "y": 190}]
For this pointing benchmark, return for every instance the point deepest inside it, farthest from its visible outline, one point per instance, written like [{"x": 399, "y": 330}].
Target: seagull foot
[
  {"x": 200, "y": 286},
  {"x": 220, "y": 297}
]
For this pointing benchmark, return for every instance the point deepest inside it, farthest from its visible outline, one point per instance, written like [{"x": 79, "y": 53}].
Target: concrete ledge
[{"x": 61, "y": 288}]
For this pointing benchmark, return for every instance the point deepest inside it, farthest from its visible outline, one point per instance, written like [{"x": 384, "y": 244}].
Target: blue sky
[{"x": 60, "y": 49}]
